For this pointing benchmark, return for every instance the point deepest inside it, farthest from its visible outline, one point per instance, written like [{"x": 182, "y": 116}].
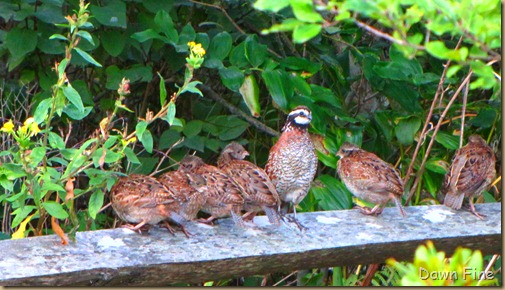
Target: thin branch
[
  {"x": 208, "y": 92},
  {"x": 386, "y": 36},
  {"x": 463, "y": 111},
  {"x": 424, "y": 132},
  {"x": 488, "y": 268},
  {"x": 437, "y": 127}
]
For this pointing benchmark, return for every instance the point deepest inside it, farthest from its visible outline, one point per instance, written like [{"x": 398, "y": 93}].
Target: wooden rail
[{"x": 120, "y": 257}]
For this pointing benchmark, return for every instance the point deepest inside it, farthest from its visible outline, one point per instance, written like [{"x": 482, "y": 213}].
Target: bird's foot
[{"x": 293, "y": 220}]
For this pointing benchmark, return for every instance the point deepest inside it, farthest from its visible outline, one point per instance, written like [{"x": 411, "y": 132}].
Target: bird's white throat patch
[{"x": 302, "y": 120}]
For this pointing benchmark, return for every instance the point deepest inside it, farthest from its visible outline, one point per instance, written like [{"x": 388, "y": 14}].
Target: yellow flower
[
  {"x": 196, "y": 49},
  {"x": 196, "y": 53},
  {"x": 8, "y": 127},
  {"x": 30, "y": 126}
]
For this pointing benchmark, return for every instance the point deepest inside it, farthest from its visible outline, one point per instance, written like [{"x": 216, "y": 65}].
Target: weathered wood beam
[{"x": 121, "y": 257}]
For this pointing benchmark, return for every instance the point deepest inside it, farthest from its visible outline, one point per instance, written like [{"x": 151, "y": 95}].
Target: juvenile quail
[
  {"x": 143, "y": 201},
  {"x": 258, "y": 191},
  {"x": 292, "y": 161},
  {"x": 189, "y": 188},
  {"x": 223, "y": 196},
  {"x": 370, "y": 178},
  {"x": 471, "y": 172}
]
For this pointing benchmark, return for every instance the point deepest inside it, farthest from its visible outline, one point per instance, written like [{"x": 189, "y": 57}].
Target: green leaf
[
  {"x": 447, "y": 140},
  {"x": 156, "y": 5},
  {"x": 192, "y": 128},
  {"x": 84, "y": 34},
  {"x": 255, "y": 52},
  {"x": 168, "y": 139},
  {"x": 220, "y": 46},
  {"x": 73, "y": 97},
  {"x": 146, "y": 35},
  {"x": 250, "y": 94},
  {"x": 55, "y": 141},
  {"x": 169, "y": 117},
  {"x": 286, "y": 25},
  {"x": 333, "y": 195},
  {"x": 279, "y": 86},
  {"x": 191, "y": 87},
  {"x": 237, "y": 56},
  {"x": 58, "y": 36},
  {"x": 485, "y": 118},
  {"x": 268, "y": 5},
  {"x": 37, "y": 155},
  {"x": 305, "y": 32},
  {"x": 165, "y": 25},
  {"x": 20, "y": 214},
  {"x": 383, "y": 119},
  {"x": 87, "y": 57},
  {"x": 112, "y": 14},
  {"x": 304, "y": 11},
  {"x": 76, "y": 114},
  {"x": 20, "y": 42},
  {"x": 235, "y": 128},
  {"x": 163, "y": 90},
  {"x": 95, "y": 203},
  {"x": 406, "y": 130},
  {"x": 113, "y": 41},
  {"x": 40, "y": 113},
  {"x": 232, "y": 78},
  {"x": 55, "y": 209},
  {"x": 439, "y": 50},
  {"x": 437, "y": 165},
  {"x": 130, "y": 155},
  {"x": 144, "y": 136}
]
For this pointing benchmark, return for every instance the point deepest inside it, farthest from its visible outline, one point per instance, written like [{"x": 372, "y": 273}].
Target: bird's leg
[
  {"x": 136, "y": 228},
  {"x": 474, "y": 211},
  {"x": 293, "y": 219},
  {"x": 237, "y": 218},
  {"x": 207, "y": 221},
  {"x": 377, "y": 210},
  {"x": 249, "y": 216},
  {"x": 167, "y": 226}
]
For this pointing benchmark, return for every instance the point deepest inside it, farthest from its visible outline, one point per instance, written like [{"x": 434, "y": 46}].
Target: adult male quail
[
  {"x": 143, "y": 201},
  {"x": 292, "y": 161},
  {"x": 471, "y": 172},
  {"x": 370, "y": 178},
  {"x": 258, "y": 191},
  {"x": 223, "y": 196}
]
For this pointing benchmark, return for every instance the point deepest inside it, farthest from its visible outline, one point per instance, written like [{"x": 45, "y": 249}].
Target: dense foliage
[{"x": 92, "y": 91}]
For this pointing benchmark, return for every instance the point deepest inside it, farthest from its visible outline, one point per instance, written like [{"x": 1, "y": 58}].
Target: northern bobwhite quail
[
  {"x": 292, "y": 161},
  {"x": 370, "y": 178},
  {"x": 143, "y": 201},
  {"x": 258, "y": 191},
  {"x": 189, "y": 188},
  {"x": 471, "y": 172},
  {"x": 223, "y": 196}
]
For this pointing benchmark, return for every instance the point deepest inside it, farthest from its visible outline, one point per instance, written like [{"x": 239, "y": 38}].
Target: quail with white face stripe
[{"x": 292, "y": 161}]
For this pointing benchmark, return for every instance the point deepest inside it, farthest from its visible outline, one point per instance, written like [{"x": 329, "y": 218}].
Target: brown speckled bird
[
  {"x": 143, "y": 201},
  {"x": 189, "y": 188},
  {"x": 223, "y": 195},
  {"x": 370, "y": 178},
  {"x": 258, "y": 191},
  {"x": 292, "y": 161},
  {"x": 471, "y": 172}
]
